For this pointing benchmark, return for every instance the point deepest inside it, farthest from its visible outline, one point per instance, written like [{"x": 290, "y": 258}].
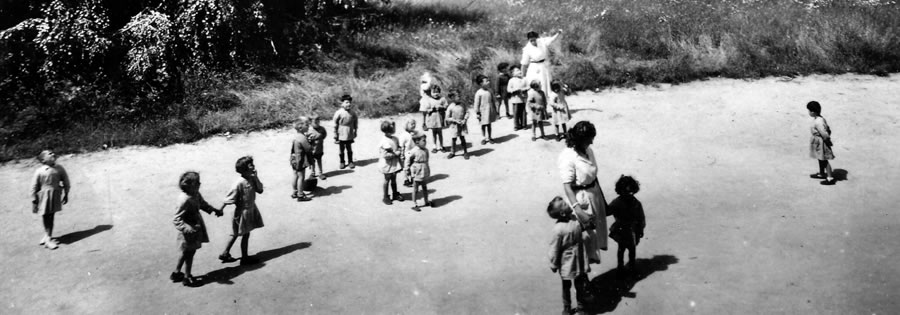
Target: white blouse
[{"x": 575, "y": 169}]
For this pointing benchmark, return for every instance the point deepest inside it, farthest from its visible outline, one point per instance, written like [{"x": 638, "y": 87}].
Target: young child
[
  {"x": 537, "y": 108},
  {"x": 49, "y": 191},
  {"x": 820, "y": 143},
  {"x": 567, "y": 254},
  {"x": 484, "y": 107},
  {"x": 389, "y": 161},
  {"x": 419, "y": 170},
  {"x": 246, "y": 214},
  {"x": 345, "y": 125},
  {"x": 560, "y": 108},
  {"x": 502, "y": 83},
  {"x": 629, "y": 226},
  {"x": 457, "y": 115},
  {"x": 517, "y": 89},
  {"x": 434, "y": 119},
  {"x": 301, "y": 152},
  {"x": 316, "y": 135},
  {"x": 406, "y": 146},
  {"x": 192, "y": 231}
]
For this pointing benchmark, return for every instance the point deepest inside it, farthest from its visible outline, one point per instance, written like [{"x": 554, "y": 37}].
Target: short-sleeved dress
[
  {"x": 407, "y": 144},
  {"x": 630, "y": 222},
  {"x": 246, "y": 214},
  {"x": 582, "y": 173},
  {"x": 484, "y": 105},
  {"x": 345, "y": 124},
  {"x": 536, "y": 105},
  {"x": 818, "y": 148},
  {"x": 434, "y": 115},
  {"x": 47, "y": 188},
  {"x": 560, "y": 108},
  {"x": 457, "y": 115},
  {"x": 567, "y": 253},
  {"x": 187, "y": 213},
  {"x": 389, "y": 163},
  {"x": 301, "y": 151},
  {"x": 418, "y": 165}
]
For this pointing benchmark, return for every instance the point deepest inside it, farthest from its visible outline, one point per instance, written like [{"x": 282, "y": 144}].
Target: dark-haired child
[
  {"x": 628, "y": 229},
  {"x": 434, "y": 118},
  {"x": 502, "y": 83},
  {"x": 406, "y": 147},
  {"x": 419, "y": 170},
  {"x": 560, "y": 108},
  {"x": 567, "y": 255},
  {"x": 537, "y": 108},
  {"x": 192, "y": 231},
  {"x": 485, "y": 108},
  {"x": 301, "y": 156},
  {"x": 389, "y": 161},
  {"x": 820, "y": 143},
  {"x": 316, "y": 136},
  {"x": 457, "y": 115},
  {"x": 345, "y": 126},
  {"x": 246, "y": 215},
  {"x": 49, "y": 191},
  {"x": 518, "y": 89}
]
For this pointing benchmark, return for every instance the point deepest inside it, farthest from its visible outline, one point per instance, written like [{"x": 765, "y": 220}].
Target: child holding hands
[
  {"x": 192, "y": 231},
  {"x": 246, "y": 214},
  {"x": 389, "y": 161},
  {"x": 567, "y": 255},
  {"x": 630, "y": 222},
  {"x": 49, "y": 191},
  {"x": 457, "y": 115}
]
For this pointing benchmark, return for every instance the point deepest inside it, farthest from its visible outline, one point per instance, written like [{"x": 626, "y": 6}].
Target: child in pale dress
[
  {"x": 189, "y": 223},
  {"x": 246, "y": 215},
  {"x": 485, "y": 109},
  {"x": 316, "y": 135},
  {"x": 434, "y": 119},
  {"x": 419, "y": 170},
  {"x": 628, "y": 229},
  {"x": 567, "y": 253},
  {"x": 389, "y": 161},
  {"x": 406, "y": 146},
  {"x": 345, "y": 127},
  {"x": 518, "y": 92},
  {"x": 537, "y": 108},
  {"x": 425, "y": 99},
  {"x": 820, "y": 144},
  {"x": 560, "y": 108},
  {"x": 49, "y": 191},
  {"x": 301, "y": 156},
  {"x": 457, "y": 115}
]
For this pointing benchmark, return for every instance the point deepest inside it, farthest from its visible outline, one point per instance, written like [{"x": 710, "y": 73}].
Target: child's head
[
  {"x": 452, "y": 95},
  {"x": 814, "y": 108},
  {"x": 244, "y": 165},
  {"x": 189, "y": 182},
  {"x": 346, "y": 101},
  {"x": 302, "y": 124},
  {"x": 410, "y": 125},
  {"x": 558, "y": 208},
  {"x": 516, "y": 71},
  {"x": 47, "y": 157},
  {"x": 502, "y": 67},
  {"x": 387, "y": 127},
  {"x": 315, "y": 119},
  {"x": 482, "y": 81},
  {"x": 555, "y": 86},
  {"x": 419, "y": 140},
  {"x": 535, "y": 84},
  {"x": 436, "y": 91},
  {"x": 627, "y": 185}
]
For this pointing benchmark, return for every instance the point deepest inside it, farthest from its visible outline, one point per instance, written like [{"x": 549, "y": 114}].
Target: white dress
[
  {"x": 580, "y": 171},
  {"x": 537, "y": 61}
]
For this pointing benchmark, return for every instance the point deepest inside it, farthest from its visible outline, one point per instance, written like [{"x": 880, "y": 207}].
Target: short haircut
[
  {"x": 188, "y": 179},
  {"x": 418, "y": 136},
  {"x": 387, "y": 126},
  {"x": 555, "y": 86},
  {"x": 531, "y": 35},
  {"x": 480, "y": 78},
  {"x": 502, "y": 66},
  {"x": 627, "y": 184},
  {"x": 579, "y": 133},
  {"x": 43, "y": 155},
  {"x": 814, "y": 107},
  {"x": 514, "y": 67},
  {"x": 346, "y": 97},
  {"x": 243, "y": 164},
  {"x": 535, "y": 84},
  {"x": 553, "y": 211},
  {"x": 410, "y": 125}
]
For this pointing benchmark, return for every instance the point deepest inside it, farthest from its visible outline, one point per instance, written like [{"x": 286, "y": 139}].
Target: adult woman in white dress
[
  {"x": 578, "y": 170},
  {"x": 536, "y": 59}
]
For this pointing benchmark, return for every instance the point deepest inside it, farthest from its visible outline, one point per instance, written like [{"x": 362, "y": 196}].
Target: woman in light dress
[{"x": 536, "y": 59}]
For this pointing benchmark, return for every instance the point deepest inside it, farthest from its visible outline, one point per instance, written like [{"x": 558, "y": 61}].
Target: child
[
  {"x": 567, "y": 254},
  {"x": 49, "y": 191},
  {"x": 300, "y": 159},
  {"x": 502, "y": 83},
  {"x": 517, "y": 94},
  {"x": 316, "y": 136},
  {"x": 560, "y": 108},
  {"x": 629, "y": 227},
  {"x": 345, "y": 125},
  {"x": 425, "y": 98},
  {"x": 246, "y": 214},
  {"x": 190, "y": 224},
  {"x": 820, "y": 143},
  {"x": 434, "y": 119},
  {"x": 406, "y": 146},
  {"x": 537, "y": 108},
  {"x": 484, "y": 107},
  {"x": 419, "y": 170},
  {"x": 457, "y": 115},
  {"x": 389, "y": 161}
]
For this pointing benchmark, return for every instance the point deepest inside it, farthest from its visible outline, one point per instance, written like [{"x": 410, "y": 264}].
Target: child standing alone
[
  {"x": 389, "y": 161},
  {"x": 419, "y": 170},
  {"x": 484, "y": 107},
  {"x": 628, "y": 229},
  {"x": 567, "y": 254},
  {"x": 49, "y": 191},
  {"x": 246, "y": 214},
  {"x": 345, "y": 125},
  {"x": 192, "y": 231},
  {"x": 820, "y": 143},
  {"x": 457, "y": 115}
]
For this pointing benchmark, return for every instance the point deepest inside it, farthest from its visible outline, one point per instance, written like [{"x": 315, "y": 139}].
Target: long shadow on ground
[
  {"x": 80, "y": 235},
  {"x": 609, "y": 288},
  {"x": 225, "y": 275},
  {"x": 442, "y": 201},
  {"x": 331, "y": 190},
  {"x": 505, "y": 138},
  {"x": 480, "y": 152},
  {"x": 360, "y": 163},
  {"x": 839, "y": 174}
]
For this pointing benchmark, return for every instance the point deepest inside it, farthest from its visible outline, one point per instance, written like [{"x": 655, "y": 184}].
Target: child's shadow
[
  {"x": 336, "y": 173},
  {"x": 839, "y": 174},
  {"x": 505, "y": 138},
  {"x": 481, "y": 152},
  {"x": 332, "y": 190},
  {"x": 77, "y": 236},
  {"x": 609, "y": 288},
  {"x": 225, "y": 275},
  {"x": 437, "y": 177},
  {"x": 439, "y": 202},
  {"x": 408, "y": 196},
  {"x": 365, "y": 162}
]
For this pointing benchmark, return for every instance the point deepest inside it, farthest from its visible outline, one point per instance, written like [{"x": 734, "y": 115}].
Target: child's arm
[
  {"x": 478, "y": 106},
  {"x": 820, "y": 127},
  {"x": 337, "y": 122},
  {"x": 555, "y": 252},
  {"x": 64, "y": 177},
  {"x": 35, "y": 188},
  {"x": 641, "y": 220},
  {"x": 257, "y": 185},
  {"x": 206, "y": 207},
  {"x": 180, "y": 225}
]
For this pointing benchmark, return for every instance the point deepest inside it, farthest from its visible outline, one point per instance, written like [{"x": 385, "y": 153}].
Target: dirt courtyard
[{"x": 734, "y": 223}]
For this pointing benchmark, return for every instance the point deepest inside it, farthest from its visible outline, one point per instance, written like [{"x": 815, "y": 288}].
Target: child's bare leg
[
  {"x": 453, "y": 146},
  {"x": 567, "y": 294},
  {"x": 180, "y": 261},
  {"x": 245, "y": 242},
  {"x": 321, "y": 169},
  {"x": 415, "y": 193},
  {"x": 434, "y": 138},
  {"x": 440, "y": 134},
  {"x": 393, "y": 181},
  {"x": 188, "y": 262},
  {"x": 557, "y": 129},
  {"x": 534, "y": 126},
  {"x": 489, "y": 130},
  {"x": 425, "y": 192},
  {"x": 564, "y": 129},
  {"x": 48, "y": 225},
  {"x": 229, "y": 245},
  {"x": 384, "y": 188},
  {"x": 541, "y": 125},
  {"x": 827, "y": 169},
  {"x": 295, "y": 184},
  {"x": 462, "y": 142}
]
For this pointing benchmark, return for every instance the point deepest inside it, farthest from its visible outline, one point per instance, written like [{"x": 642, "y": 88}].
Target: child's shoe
[
  {"x": 451, "y": 155},
  {"x": 343, "y": 166},
  {"x": 416, "y": 208},
  {"x": 817, "y": 176},
  {"x": 226, "y": 258},
  {"x": 533, "y": 138},
  {"x": 303, "y": 197},
  {"x": 483, "y": 142},
  {"x": 51, "y": 244},
  {"x": 351, "y": 165},
  {"x": 294, "y": 195},
  {"x": 828, "y": 182},
  {"x": 176, "y": 276},
  {"x": 558, "y": 138},
  {"x": 322, "y": 176},
  {"x": 407, "y": 182},
  {"x": 434, "y": 150},
  {"x": 386, "y": 200},
  {"x": 44, "y": 240},
  {"x": 567, "y": 310},
  {"x": 398, "y": 197},
  {"x": 491, "y": 141},
  {"x": 466, "y": 156}
]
